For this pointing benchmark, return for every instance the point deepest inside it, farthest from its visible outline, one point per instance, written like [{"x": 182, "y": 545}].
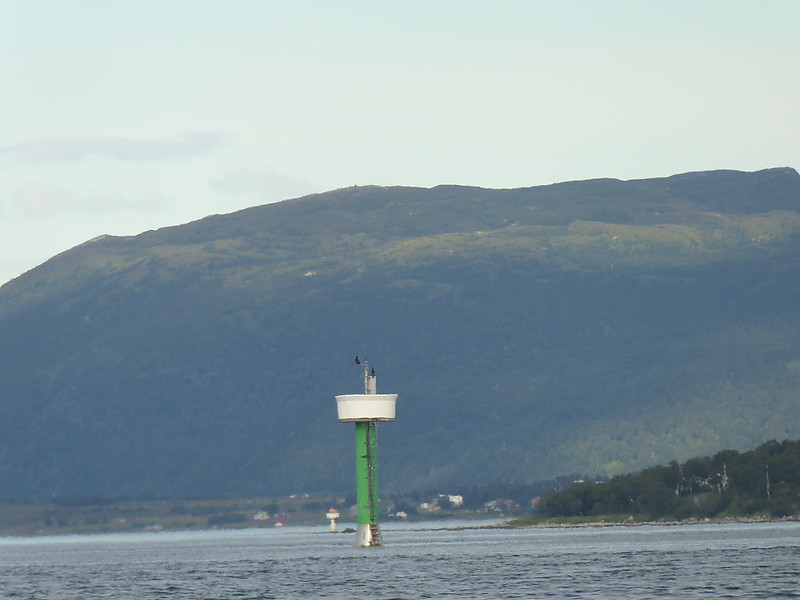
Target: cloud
[
  {"x": 265, "y": 184},
  {"x": 63, "y": 149},
  {"x": 41, "y": 201}
]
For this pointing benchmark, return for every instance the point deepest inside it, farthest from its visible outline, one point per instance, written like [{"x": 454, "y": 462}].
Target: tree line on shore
[{"x": 763, "y": 481}]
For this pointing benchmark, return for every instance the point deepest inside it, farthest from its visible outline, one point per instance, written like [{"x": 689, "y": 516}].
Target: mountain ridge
[
  {"x": 316, "y": 202},
  {"x": 594, "y": 326}
]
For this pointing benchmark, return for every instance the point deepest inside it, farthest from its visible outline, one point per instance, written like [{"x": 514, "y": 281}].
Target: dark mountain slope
[{"x": 587, "y": 326}]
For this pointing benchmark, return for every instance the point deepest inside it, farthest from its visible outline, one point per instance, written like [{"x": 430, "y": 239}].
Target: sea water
[{"x": 687, "y": 561}]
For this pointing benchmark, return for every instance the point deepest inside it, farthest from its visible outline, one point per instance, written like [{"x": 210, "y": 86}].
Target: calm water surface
[{"x": 690, "y": 561}]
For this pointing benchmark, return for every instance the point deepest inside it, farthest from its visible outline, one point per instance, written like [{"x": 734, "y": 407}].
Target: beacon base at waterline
[{"x": 368, "y": 535}]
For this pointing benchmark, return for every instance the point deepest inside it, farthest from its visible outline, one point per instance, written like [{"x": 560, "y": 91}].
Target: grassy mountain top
[{"x": 691, "y": 218}]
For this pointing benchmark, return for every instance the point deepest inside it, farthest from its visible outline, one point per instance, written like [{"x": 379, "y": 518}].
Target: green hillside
[
  {"x": 597, "y": 327},
  {"x": 764, "y": 481}
]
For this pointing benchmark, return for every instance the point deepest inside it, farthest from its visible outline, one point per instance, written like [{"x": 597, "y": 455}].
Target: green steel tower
[{"x": 365, "y": 410}]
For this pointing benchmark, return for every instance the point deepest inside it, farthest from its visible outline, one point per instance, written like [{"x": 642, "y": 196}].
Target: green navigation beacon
[{"x": 365, "y": 410}]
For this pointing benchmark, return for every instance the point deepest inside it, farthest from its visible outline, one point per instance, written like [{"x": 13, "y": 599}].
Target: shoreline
[{"x": 631, "y": 523}]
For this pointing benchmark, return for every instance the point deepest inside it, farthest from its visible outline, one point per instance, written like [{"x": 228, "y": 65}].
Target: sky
[{"x": 120, "y": 117}]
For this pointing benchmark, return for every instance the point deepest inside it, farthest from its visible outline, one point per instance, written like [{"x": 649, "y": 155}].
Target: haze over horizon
[{"x": 121, "y": 120}]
